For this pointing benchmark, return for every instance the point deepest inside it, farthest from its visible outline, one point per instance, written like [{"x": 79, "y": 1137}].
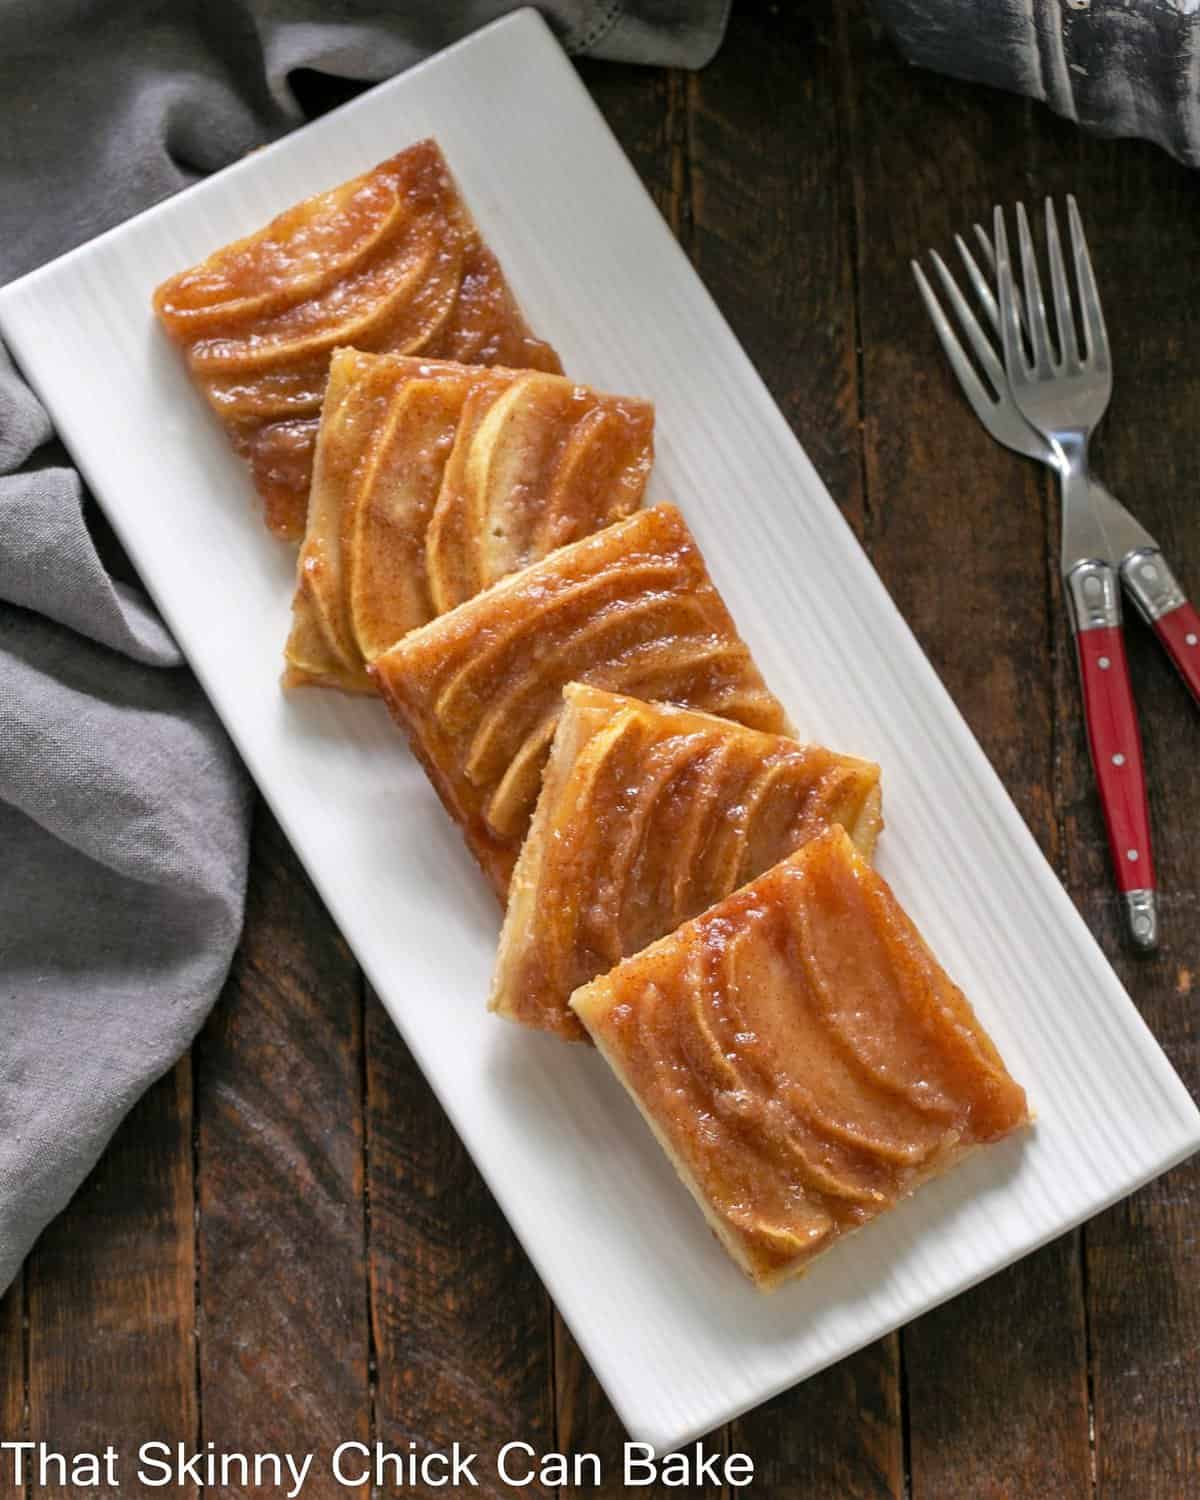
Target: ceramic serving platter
[{"x": 676, "y": 1336}]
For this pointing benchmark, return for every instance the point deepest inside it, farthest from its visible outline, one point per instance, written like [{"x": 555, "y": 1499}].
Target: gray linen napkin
[
  {"x": 123, "y": 809},
  {"x": 1118, "y": 67}
]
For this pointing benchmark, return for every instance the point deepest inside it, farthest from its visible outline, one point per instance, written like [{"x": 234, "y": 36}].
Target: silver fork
[
  {"x": 1062, "y": 394},
  {"x": 994, "y": 407},
  {"x": 998, "y": 412}
]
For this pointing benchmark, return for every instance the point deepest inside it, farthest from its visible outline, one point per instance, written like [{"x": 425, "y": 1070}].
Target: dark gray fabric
[
  {"x": 109, "y": 105},
  {"x": 123, "y": 809},
  {"x": 1118, "y": 67},
  {"x": 123, "y": 818}
]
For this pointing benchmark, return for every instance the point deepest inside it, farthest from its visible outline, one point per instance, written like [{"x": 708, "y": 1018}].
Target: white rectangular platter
[{"x": 679, "y": 1341}]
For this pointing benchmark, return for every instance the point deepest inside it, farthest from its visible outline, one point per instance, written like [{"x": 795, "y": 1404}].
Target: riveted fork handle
[
  {"x": 1165, "y": 608},
  {"x": 1115, "y": 742}
]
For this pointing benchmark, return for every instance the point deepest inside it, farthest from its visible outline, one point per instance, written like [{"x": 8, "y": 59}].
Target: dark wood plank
[
  {"x": 957, "y": 527},
  {"x": 1143, "y": 224},
  {"x": 836, "y": 1436},
  {"x": 997, "y": 1385},
  {"x": 770, "y": 225},
  {"x": 12, "y": 1382},
  {"x": 462, "y": 1326},
  {"x": 111, "y": 1288},
  {"x": 284, "y": 1339},
  {"x": 771, "y": 236}
]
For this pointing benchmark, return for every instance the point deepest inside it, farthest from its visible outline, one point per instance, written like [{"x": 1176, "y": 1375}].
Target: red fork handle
[
  {"x": 1156, "y": 592},
  {"x": 1179, "y": 631},
  {"x": 1116, "y": 745},
  {"x": 1093, "y": 592}
]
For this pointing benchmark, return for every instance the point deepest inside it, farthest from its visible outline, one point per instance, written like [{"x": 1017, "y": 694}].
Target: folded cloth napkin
[
  {"x": 123, "y": 809},
  {"x": 1118, "y": 67}
]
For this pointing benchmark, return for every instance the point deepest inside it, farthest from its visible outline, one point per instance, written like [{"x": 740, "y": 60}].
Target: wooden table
[{"x": 287, "y": 1247}]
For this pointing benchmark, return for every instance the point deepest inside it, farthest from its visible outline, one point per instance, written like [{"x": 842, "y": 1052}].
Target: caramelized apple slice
[
  {"x": 478, "y": 688},
  {"x": 393, "y": 498},
  {"x": 648, "y": 815},
  {"x": 535, "y": 467},
  {"x": 802, "y": 1057},
  {"x": 388, "y": 261},
  {"x": 397, "y": 436}
]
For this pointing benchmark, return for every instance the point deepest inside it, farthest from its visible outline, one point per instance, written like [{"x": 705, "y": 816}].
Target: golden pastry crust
[
  {"x": 390, "y": 260},
  {"x": 648, "y": 815},
  {"x": 802, "y": 1057},
  {"x": 433, "y": 480},
  {"x": 479, "y": 690}
]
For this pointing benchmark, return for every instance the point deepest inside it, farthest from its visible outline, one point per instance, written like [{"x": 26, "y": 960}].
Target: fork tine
[
  {"x": 1035, "y": 308},
  {"x": 1064, "y": 318},
  {"x": 979, "y": 283},
  {"x": 983, "y": 347},
  {"x": 1095, "y": 334},
  {"x": 986, "y": 247},
  {"x": 1006, "y": 296},
  {"x": 989, "y": 255},
  {"x": 973, "y": 388}
]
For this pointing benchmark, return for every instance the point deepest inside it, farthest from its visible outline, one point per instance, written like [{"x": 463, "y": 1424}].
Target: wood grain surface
[
  {"x": 110, "y": 1289},
  {"x": 286, "y": 1245},
  {"x": 282, "y": 1214},
  {"x": 12, "y": 1382}
]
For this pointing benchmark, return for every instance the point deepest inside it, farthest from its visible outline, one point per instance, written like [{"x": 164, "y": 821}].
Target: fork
[{"x": 1046, "y": 406}]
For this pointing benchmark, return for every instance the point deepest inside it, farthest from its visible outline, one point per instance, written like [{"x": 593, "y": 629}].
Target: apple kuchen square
[
  {"x": 648, "y": 815},
  {"x": 391, "y": 260},
  {"x": 433, "y": 480},
  {"x": 479, "y": 690},
  {"x": 802, "y": 1057}
]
